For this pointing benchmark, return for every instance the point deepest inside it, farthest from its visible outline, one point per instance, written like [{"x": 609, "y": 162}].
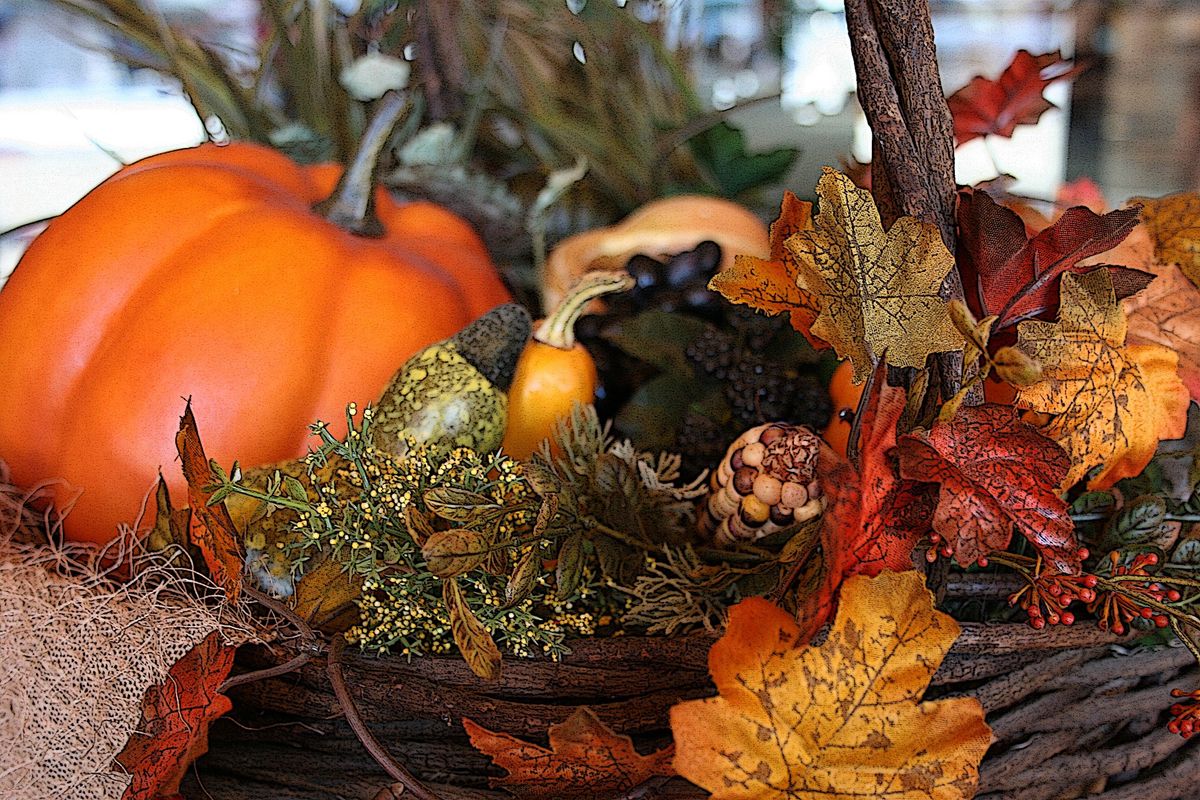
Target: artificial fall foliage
[
  {"x": 873, "y": 518},
  {"x": 876, "y": 290},
  {"x": 585, "y": 760},
  {"x": 838, "y": 720},
  {"x": 986, "y": 107},
  {"x": 995, "y": 472},
  {"x": 770, "y": 284},
  {"x": 1113, "y": 402},
  {"x": 210, "y": 526},
  {"x": 173, "y": 730},
  {"x": 1014, "y": 276},
  {"x": 1168, "y": 314},
  {"x": 1174, "y": 225}
]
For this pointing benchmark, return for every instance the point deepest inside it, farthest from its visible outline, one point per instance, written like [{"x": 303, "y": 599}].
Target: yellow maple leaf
[
  {"x": 839, "y": 720},
  {"x": 1174, "y": 226},
  {"x": 1112, "y": 402},
  {"x": 875, "y": 290},
  {"x": 769, "y": 284}
]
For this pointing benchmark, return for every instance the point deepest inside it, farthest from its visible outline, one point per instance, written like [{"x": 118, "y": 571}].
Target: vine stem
[{"x": 373, "y": 746}]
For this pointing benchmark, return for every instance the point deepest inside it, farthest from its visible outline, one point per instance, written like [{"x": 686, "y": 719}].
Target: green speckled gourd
[{"x": 452, "y": 393}]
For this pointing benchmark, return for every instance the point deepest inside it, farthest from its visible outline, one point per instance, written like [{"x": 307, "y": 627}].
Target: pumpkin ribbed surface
[{"x": 204, "y": 273}]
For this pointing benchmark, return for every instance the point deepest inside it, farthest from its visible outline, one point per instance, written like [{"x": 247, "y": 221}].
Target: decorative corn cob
[{"x": 766, "y": 482}]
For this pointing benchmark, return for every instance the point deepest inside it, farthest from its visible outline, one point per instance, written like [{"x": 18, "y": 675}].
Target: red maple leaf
[
  {"x": 995, "y": 472},
  {"x": 986, "y": 107},
  {"x": 210, "y": 526},
  {"x": 586, "y": 759},
  {"x": 873, "y": 518},
  {"x": 1014, "y": 276},
  {"x": 173, "y": 730}
]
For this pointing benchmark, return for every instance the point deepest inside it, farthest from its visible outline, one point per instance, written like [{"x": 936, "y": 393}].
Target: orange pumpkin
[
  {"x": 206, "y": 273},
  {"x": 844, "y": 394}
]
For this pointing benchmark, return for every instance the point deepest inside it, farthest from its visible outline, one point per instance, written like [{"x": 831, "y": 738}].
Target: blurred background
[{"x": 77, "y": 98}]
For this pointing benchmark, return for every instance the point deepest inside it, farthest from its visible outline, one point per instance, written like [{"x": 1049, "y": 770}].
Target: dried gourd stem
[
  {"x": 352, "y": 204},
  {"x": 558, "y": 329},
  {"x": 393, "y": 768}
]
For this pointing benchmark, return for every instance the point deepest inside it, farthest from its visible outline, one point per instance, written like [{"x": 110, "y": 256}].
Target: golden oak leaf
[
  {"x": 1174, "y": 226},
  {"x": 876, "y": 291},
  {"x": 769, "y": 284},
  {"x": 1168, "y": 313},
  {"x": 586, "y": 759},
  {"x": 1113, "y": 402},
  {"x": 840, "y": 720}
]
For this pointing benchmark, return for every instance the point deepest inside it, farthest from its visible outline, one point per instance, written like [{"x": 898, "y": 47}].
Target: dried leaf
[
  {"x": 995, "y": 472},
  {"x": 1113, "y": 401},
  {"x": 986, "y": 107},
  {"x": 211, "y": 528},
  {"x": 457, "y": 504},
  {"x": 451, "y": 553},
  {"x": 1016, "y": 277},
  {"x": 837, "y": 721},
  {"x": 521, "y": 582},
  {"x": 769, "y": 285},
  {"x": 872, "y": 518},
  {"x": 570, "y": 565},
  {"x": 585, "y": 760},
  {"x": 1168, "y": 314},
  {"x": 173, "y": 730},
  {"x": 474, "y": 642},
  {"x": 875, "y": 291},
  {"x": 1173, "y": 223}
]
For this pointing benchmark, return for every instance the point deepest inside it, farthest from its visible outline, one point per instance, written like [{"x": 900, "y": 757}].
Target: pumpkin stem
[
  {"x": 352, "y": 204},
  {"x": 558, "y": 329}
]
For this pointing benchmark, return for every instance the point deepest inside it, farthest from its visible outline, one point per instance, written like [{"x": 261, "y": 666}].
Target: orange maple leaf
[
  {"x": 586, "y": 759},
  {"x": 840, "y": 720},
  {"x": 769, "y": 284},
  {"x": 210, "y": 527},
  {"x": 1112, "y": 402},
  {"x": 1168, "y": 314},
  {"x": 1174, "y": 226},
  {"x": 173, "y": 730}
]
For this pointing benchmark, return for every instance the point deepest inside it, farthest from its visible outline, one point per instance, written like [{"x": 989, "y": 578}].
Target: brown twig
[
  {"x": 295, "y": 663},
  {"x": 354, "y": 719}
]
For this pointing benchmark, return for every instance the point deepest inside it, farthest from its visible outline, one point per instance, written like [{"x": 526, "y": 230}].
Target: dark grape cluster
[{"x": 746, "y": 360}]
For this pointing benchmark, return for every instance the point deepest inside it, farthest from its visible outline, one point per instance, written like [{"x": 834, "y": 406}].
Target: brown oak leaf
[
  {"x": 876, "y": 291},
  {"x": 211, "y": 528},
  {"x": 995, "y": 472},
  {"x": 586, "y": 759},
  {"x": 986, "y": 107},
  {"x": 173, "y": 730},
  {"x": 1174, "y": 225},
  {"x": 1014, "y": 276},
  {"x": 840, "y": 720},
  {"x": 769, "y": 284},
  {"x": 1112, "y": 402},
  {"x": 1168, "y": 314}
]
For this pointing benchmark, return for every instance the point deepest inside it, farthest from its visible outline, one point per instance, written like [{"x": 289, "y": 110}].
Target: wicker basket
[{"x": 1074, "y": 713}]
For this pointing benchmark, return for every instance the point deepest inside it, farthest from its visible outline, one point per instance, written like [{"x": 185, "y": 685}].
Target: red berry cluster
[
  {"x": 1116, "y": 609},
  {"x": 1046, "y": 597},
  {"x": 1186, "y": 715}
]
